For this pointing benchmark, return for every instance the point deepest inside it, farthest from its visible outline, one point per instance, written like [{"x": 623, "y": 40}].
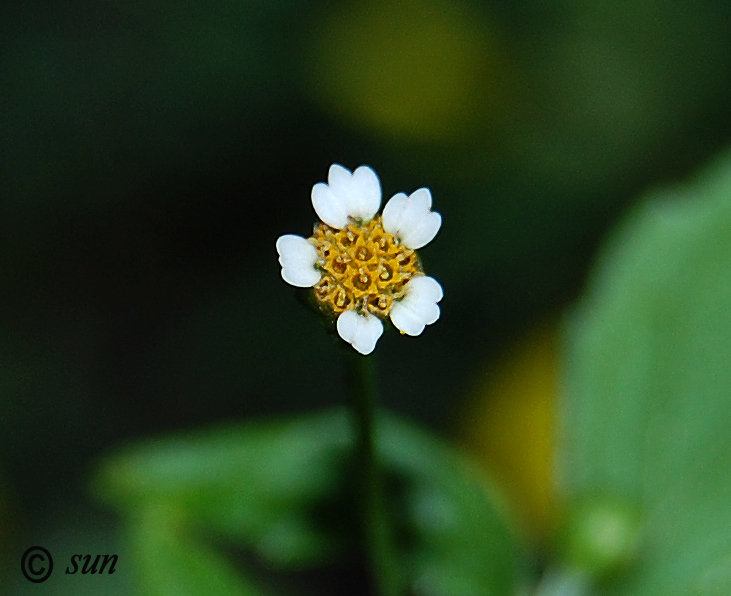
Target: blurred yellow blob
[
  {"x": 413, "y": 70},
  {"x": 508, "y": 426}
]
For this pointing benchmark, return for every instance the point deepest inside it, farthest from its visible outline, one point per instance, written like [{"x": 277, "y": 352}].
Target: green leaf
[
  {"x": 284, "y": 491},
  {"x": 169, "y": 563},
  {"x": 646, "y": 422},
  {"x": 254, "y": 483},
  {"x": 462, "y": 544}
]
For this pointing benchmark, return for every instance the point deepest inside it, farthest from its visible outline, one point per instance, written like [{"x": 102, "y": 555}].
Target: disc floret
[{"x": 363, "y": 267}]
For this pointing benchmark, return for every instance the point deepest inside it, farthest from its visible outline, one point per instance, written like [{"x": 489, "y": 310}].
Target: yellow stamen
[{"x": 363, "y": 266}]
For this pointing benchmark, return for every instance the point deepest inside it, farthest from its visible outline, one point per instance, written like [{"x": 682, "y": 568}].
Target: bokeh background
[{"x": 152, "y": 152}]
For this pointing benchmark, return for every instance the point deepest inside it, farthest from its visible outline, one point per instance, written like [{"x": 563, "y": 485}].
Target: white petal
[
  {"x": 357, "y": 195},
  {"x": 361, "y": 331},
  {"x": 419, "y": 306},
  {"x": 421, "y": 199},
  {"x": 330, "y": 208},
  {"x": 423, "y": 233},
  {"x": 393, "y": 212},
  {"x": 298, "y": 256},
  {"x": 366, "y": 190},
  {"x": 425, "y": 287},
  {"x": 406, "y": 321},
  {"x": 411, "y": 219}
]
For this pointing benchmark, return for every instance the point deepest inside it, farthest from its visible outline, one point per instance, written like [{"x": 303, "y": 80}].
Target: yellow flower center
[{"x": 363, "y": 267}]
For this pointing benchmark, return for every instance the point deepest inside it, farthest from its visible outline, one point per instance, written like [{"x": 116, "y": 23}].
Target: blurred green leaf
[
  {"x": 461, "y": 544},
  {"x": 245, "y": 482},
  {"x": 171, "y": 564},
  {"x": 284, "y": 490},
  {"x": 649, "y": 387}
]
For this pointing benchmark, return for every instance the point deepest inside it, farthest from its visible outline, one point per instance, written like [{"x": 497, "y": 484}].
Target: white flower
[
  {"x": 363, "y": 267},
  {"x": 356, "y": 195},
  {"x": 419, "y": 307},
  {"x": 360, "y": 331},
  {"x": 297, "y": 257},
  {"x": 411, "y": 219}
]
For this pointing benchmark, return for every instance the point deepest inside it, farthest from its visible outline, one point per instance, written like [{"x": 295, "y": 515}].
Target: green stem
[{"x": 377, "y": 532}]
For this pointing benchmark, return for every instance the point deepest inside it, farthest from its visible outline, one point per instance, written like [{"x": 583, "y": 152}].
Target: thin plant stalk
[{"x": 377, "y": 531}]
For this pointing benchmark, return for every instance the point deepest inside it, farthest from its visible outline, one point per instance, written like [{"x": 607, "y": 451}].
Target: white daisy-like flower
[{"x": 363, "y": 267}]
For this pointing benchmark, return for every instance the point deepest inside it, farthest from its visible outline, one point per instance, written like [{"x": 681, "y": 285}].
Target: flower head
[{"x": 363, "y": 267}]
